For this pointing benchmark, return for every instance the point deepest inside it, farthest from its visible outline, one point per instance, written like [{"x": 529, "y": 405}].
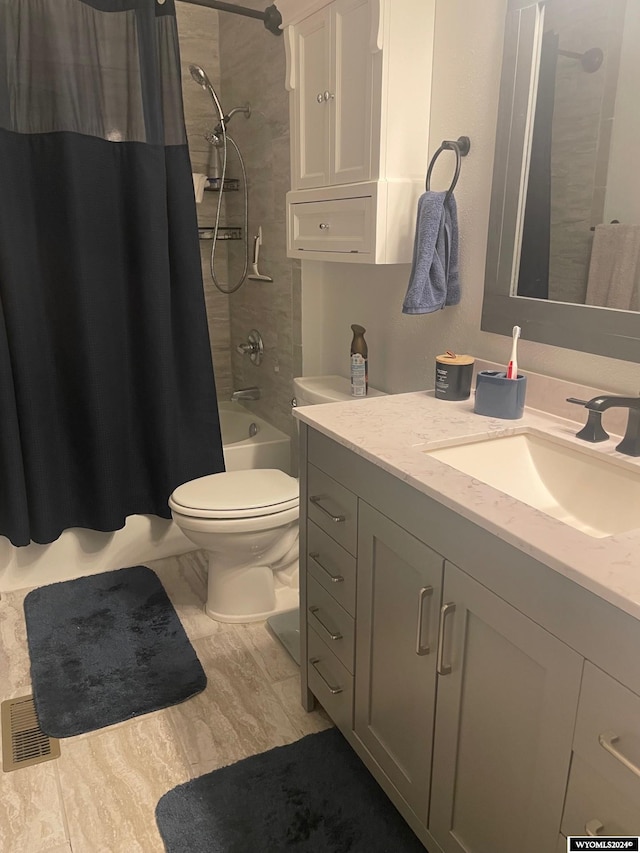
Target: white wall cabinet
[
  {"x": 466, "y": 694},
  {"x": 359, "y": 76}
]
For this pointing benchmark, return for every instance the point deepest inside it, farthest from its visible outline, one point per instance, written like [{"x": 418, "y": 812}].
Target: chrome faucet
[
  {"x": 246, "y": 394},
  {"x": 593, "y": 431}
]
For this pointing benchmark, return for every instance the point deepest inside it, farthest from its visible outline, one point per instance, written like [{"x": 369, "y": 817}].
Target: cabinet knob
[
  {"x": 328, "y": 96},
  {"x": 320, "y": 98},
  {"x": 323, "y": 226}
]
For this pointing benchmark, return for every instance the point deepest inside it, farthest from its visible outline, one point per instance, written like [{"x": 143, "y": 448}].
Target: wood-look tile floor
[{"x": 100, "y": 795}]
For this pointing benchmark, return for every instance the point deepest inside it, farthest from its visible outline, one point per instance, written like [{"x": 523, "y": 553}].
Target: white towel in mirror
[{"x": 614, "y": 270}]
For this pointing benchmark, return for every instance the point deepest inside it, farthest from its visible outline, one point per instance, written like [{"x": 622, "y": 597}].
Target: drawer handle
[
  {"x": 324, "y": 226},
  {"x": 315, "y": 500},
  {"x": 592, "y": 828},
  {"x": 445, "y": 610},
  {"x": 313, "y": 610},
  {"x": 328, "y": 96},
  {"x": 334, "y": 578},
  {"x": 425, "y": 592},
  {"x": 314, "y": 663},
  {"x": 607, "y": 741}
]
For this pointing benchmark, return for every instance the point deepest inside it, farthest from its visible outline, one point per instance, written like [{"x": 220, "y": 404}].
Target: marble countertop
[{"x": 393, "y": 432}]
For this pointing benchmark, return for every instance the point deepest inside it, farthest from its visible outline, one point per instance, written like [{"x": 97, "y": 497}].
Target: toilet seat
[{"x": 237, "y": 494}]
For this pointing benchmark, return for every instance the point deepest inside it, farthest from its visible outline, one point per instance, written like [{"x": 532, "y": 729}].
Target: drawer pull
[
  {"x": 314, "y": 663},
  {"x": 328, "y": 96},
  {"x": 425, "y": 592},
  {"x": 592, "y": 828},
  {"x": 314, "y": 610},
  {"x": 315, "y": 500},
  {"x": 324, "y": 226},
  {"x": 334, "y": 578},
  {"x": 443, "y": 669},
  {"x": 607, "y": 741}
]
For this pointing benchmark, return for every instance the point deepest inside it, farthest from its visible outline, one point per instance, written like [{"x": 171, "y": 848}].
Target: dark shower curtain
[
  {"x": 533, "y": 280},
  {"x": 107, "y": 395}
]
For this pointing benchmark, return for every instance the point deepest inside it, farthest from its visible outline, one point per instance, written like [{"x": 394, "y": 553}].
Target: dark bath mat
[
  {"x": 106, "y": 648},
  {"x": 314, "y": 795}
]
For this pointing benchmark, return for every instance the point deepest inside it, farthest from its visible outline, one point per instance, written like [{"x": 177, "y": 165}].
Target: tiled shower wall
[
  {"x": 246, "y": 63},
  {"x": 582, "y": 123},
  {"x": 253, "y": 69}
]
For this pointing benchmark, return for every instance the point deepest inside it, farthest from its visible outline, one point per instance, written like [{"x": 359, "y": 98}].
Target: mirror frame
[{"x": 603, "y": 331}]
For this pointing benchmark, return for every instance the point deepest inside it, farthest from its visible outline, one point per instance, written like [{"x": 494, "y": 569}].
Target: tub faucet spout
[{"x": 246, "y": 394}]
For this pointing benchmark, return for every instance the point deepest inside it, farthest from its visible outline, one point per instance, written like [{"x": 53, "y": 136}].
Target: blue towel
[{"x": 434, "y": 274}]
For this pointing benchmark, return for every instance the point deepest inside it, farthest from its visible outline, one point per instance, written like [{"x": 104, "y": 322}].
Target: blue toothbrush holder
[{"x": 499, "y": 397}]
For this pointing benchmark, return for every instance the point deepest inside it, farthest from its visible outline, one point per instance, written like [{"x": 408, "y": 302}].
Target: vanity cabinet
[
  {"x": 507, "y": 697},
  {"x": 399, "y": 590},
  {"x": 463, "y": 707},
  {"x": 359, "y": 78}
]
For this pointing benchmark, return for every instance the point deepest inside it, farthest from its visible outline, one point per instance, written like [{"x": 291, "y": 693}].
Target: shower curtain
[
  {"x": 107, "y": 394},
  {"x": 533, "y": 278}
]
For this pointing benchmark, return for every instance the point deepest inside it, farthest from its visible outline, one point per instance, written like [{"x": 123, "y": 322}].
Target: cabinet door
[
  {"x": 351, "y": 92},
  {"x": 504, "y": 725},
  {"x": 311, "y": 148},
  {"x": 398, "y": 592}
]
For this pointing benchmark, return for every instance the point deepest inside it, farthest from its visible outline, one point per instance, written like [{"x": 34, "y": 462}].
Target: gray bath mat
[
  {"x": 106, "y": 648},
  {"x": 314, "y": 795}
]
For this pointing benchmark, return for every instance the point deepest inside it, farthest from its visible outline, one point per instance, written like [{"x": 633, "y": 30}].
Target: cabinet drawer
[
  {"x": 608, "y": 730},
  {"x": 333, "y": 508},
  {"x": 332, "y": 566},
  {"x": 330, "y": 682},
  {"x": 331, "y": 622},
  {"x": 594, "y": 805},
  {"x": 341, "y": 225}
]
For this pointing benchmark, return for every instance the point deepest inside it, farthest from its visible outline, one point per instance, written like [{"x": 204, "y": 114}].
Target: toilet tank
[{"x": 310, "y": 390}]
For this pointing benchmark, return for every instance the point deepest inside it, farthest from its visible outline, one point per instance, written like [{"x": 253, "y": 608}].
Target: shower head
[
  {"x": 591, "y": 59},
  {"x": 200, "y": 76}
]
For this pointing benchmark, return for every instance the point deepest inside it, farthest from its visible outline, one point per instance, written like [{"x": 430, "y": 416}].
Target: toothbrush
[{"x": 512, "y": 369}]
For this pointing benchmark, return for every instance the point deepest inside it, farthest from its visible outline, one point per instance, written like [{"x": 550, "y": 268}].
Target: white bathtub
[
  {"x": 250, "y": 442},
  {"x": 79, "y": 552}
]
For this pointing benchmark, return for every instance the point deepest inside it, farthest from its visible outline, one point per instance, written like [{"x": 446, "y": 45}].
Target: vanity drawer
[
  {"x": 332, "y": 566},
  {"x": 607, "y": 732},
  {"x": 341, "y": 225},
  {"x": 331, "y": 622},
  {"x": 333, "y": 508},
  {"x": 330, "y": 682},
  {"x": 594, "y": 805}
]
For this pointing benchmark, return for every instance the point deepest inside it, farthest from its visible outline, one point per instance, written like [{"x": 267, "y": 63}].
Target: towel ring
[{"x": 461, "y": 146}]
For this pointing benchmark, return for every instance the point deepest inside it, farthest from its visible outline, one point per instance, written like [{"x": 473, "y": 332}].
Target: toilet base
[{"x": 286, "y": 598}]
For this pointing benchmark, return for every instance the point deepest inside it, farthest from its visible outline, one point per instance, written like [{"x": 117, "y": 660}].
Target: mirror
[{"x": 568, "y": 127}]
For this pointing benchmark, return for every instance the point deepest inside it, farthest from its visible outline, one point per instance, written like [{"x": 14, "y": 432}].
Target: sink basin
[{"x": 590, "y": 493}]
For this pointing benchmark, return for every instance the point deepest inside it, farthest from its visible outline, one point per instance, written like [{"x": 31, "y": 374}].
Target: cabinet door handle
[
  {"x": 324, "y": 226},
  {"x": 320, "y": 98},
  {"x": 334, "y": 578},
  {"x": 607, "y": 741},
  {"x": 333, "y": 635},
  {"x": 332, "y": 689},
  {"x": 592, "y": 828},
  {"x": 445, "y": 610},
  {"x": 425, "y": 592},
  {"x": 315, "y": 500},
  {"x": 328, "y": 96}
]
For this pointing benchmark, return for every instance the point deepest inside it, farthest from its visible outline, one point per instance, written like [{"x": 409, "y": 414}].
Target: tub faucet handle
[{"x": 253, "y": 347}]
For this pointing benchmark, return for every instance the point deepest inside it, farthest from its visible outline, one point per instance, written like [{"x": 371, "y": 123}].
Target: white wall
[{"x": 467, "y": 64}]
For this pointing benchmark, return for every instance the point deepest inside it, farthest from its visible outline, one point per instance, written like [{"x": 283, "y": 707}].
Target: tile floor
[{"x": 100, "y": 795}]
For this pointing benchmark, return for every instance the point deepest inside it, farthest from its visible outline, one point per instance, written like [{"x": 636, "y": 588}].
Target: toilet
[{"x": 247, "y": 521}]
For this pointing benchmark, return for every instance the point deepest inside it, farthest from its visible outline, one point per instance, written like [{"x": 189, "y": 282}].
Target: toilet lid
[{"x": 237, "y": 494}]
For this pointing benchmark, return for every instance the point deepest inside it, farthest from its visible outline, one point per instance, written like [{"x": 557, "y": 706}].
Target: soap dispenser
[{"x": 359, "y": 363}]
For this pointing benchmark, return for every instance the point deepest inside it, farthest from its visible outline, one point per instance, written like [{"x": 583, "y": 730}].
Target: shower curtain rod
[{"x": 271, "y": 16}]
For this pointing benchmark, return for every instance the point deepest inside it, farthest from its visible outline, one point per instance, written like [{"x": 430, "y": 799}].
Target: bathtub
[{"x": 249, "y": 442}]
